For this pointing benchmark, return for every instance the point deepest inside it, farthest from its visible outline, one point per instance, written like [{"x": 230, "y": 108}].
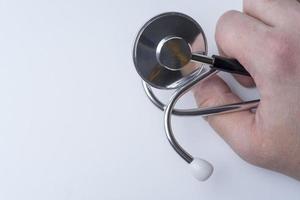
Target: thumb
[{"x": 234, "y": 128}]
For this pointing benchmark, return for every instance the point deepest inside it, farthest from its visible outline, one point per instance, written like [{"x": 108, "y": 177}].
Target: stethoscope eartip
[{"x": 201, "y": 169}]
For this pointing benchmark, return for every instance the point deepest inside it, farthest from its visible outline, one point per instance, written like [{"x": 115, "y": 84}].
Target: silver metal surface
[
  {"x": 173, "y": 53},
  {"x": 163, "y": 31},
  {"x": 169, "y": 109},
  {"x": 204, "y": 112}
]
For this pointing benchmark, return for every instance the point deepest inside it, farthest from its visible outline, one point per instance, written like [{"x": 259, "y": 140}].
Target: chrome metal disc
[{"x": 157, "y": 51}]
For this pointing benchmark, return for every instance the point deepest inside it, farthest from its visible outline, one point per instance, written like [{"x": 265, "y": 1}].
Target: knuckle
[
  {"x": 227, "y": 17},
  {"x": 225, "y": 22},
  {"x": 230, "y": 13}
]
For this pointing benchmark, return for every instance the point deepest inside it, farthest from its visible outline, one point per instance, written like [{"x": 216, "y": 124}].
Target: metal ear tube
[{"x": 169, "y": 53}]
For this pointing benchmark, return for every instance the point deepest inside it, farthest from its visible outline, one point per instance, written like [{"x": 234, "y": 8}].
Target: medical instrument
[{"x": 170, "y": 52}]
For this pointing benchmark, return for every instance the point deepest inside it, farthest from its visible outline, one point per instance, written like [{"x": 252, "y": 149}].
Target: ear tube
[{"x": 201, "y": 169}]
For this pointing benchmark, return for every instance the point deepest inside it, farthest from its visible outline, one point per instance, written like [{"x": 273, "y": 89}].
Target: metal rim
[{"x": 181, "y": 81}]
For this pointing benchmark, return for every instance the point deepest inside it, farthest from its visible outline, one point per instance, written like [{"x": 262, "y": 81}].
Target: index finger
[{"x": 239, "y": 36}]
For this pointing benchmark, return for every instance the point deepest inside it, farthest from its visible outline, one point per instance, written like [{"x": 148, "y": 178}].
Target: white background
[{"x": 75, "y": 123}]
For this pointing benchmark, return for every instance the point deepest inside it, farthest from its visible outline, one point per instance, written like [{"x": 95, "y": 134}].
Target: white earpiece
[{"x": 201, "y": 169}]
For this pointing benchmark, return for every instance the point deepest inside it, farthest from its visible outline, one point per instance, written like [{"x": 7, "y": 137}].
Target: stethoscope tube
[
  {"x": 204, "y": 112},
  {"x": 201, "y": 169},
  {"x": 168, "y": 113}
]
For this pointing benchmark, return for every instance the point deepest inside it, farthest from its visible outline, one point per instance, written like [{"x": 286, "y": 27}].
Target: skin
[{"x": 265, "y": 39}]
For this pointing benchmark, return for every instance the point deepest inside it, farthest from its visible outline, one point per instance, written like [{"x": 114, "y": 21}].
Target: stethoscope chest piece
[
  {"x": 170, "y": 52},
  {"x": 163, "y": 47}
]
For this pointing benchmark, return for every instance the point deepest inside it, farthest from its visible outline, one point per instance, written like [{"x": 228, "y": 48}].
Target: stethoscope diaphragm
[{"x": 168, "y": 31}]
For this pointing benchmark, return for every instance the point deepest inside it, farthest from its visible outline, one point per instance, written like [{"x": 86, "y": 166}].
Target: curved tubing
[
  {"x": 169, "y": 110},
  {"x": 200, "y": 111}
]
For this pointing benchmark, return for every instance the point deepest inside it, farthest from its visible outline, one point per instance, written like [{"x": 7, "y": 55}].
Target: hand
[{"x": 265, "y": 38}]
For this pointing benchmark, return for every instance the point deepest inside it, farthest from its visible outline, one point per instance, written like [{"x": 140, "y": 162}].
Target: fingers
[
  {"x": 238, "y": 35},
  {"x": 273, "y": 12},
  {"x": 235, "y": 128},
  {"x": 245, "y": 81}
]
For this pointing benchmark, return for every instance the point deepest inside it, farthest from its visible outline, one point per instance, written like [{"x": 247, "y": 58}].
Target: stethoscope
[{"x": 169, "y": 53}]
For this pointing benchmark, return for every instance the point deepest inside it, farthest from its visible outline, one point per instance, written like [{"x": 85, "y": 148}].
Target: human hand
[{"x": 265, "y": 39}]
